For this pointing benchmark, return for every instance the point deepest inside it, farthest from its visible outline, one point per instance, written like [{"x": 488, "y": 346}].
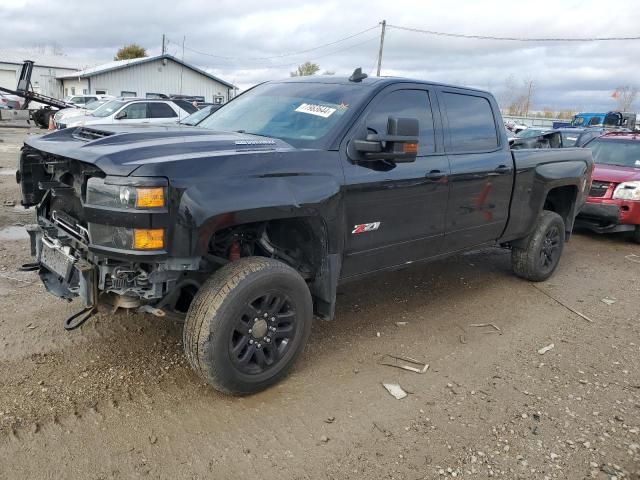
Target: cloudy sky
[{"x": 250, "y": 41}]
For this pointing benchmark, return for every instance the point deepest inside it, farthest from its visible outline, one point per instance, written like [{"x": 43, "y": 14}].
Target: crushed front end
[{"x": 103, "y": 238}]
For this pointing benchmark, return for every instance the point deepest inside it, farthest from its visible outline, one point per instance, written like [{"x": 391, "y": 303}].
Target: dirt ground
[{"x": 116, "y": 399}]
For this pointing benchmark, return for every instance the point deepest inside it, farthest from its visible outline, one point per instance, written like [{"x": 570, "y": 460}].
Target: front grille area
[{"x": 599, "y": 189}]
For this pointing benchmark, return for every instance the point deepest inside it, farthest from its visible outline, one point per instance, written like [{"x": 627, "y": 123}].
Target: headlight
[
  {"x": 103, "y": 193},
  {"x": 627, "y": 191},
  {"x": 123, "y": 238}
]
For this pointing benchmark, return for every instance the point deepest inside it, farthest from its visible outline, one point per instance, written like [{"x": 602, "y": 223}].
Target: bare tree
[
  {"x": 625, "y": 97},
  {"x": 515, "y": 97},
  {"x": 307, "y": 68}
]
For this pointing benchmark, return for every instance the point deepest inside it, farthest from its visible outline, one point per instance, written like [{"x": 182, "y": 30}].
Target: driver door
[
  {"x": 136, "y": 113},
  {"x": 395, "y": 212}
]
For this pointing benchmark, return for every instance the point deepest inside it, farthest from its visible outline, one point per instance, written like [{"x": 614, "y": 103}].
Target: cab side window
[
  {"x": 406, "y": 104},
  {"x": 472, "y": 127},
  {"x": 136, "y": 111}
]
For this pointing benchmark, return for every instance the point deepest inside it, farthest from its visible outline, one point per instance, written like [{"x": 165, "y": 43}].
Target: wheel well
[
  {"x": 300, "y": 242},
  {"x": 562, "y": 201}
]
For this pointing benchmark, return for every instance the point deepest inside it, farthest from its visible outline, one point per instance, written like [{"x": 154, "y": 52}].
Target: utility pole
[
  {"x": 384, "y": 27},
  {"x": 164, "y": 48},
  {"x": 526, "y": 114}
]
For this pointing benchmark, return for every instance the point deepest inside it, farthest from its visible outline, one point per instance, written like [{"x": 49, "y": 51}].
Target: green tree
[
  {"x": 130, "y": 51},
  {"x": 307, "y": 68}
]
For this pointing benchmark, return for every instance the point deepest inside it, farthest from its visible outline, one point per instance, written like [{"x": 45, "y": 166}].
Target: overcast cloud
[{"x": 565, "y": 75}]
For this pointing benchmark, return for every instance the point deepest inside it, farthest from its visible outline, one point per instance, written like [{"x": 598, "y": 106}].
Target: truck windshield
[
  {"x": 302, "y": 114},
  {"x": 577, "y": 121},
  {"x": 616, "y": 152}
]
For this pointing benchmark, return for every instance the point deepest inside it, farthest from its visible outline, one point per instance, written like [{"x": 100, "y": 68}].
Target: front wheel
[
  {"x": 248, "y": 324},
  {"x": 636, "y": 234},
  {"x": 538, "y": 258}
]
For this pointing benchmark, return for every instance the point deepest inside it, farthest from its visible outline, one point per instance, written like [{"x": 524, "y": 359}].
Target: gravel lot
[{"x": 116, "y": 399}]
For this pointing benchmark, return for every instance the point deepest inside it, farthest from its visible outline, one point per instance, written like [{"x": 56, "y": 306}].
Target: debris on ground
[
  {"x": 8, "y": 203},
  {"x": 544, "y": 350},
  {"x": 395, "y": 390},
  {"x": 608, "y": 301},
  {"x": 573, "y": 310},
  {"x": 492, "y": 325},
  {"x": 329, "y": 419},
  {"x": 633, "y": 258},
  {"x": 423, "y": 366},
  {"x": 402, "y": 324}
]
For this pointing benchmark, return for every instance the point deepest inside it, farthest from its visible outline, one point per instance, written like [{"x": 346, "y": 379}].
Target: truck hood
[
  {"x": 119, "y": 150},
  {"x": 615, "y": 173}
]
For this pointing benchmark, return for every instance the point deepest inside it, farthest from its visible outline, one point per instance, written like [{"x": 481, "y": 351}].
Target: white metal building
[
  {"x": 147, "y": 77},
  {"x": 45, "y": 70}
]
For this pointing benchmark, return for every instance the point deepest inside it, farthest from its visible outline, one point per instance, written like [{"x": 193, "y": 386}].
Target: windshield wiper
[{"x": 251, "y": 133}]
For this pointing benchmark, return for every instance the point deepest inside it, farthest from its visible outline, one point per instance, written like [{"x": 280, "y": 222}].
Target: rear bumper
[{"x": 607, "y": 215}]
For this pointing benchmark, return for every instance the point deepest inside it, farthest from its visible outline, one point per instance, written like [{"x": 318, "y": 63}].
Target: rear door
[
  {"x": 482, "y": 169},
  {"x": 160, "y": 112},
  {"x": 395, "y": 212}
]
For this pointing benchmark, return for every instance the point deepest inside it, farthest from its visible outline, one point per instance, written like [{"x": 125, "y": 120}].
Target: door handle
[
  {"x": 500, "y": 169},
  {"x": 435, "y": 175}
]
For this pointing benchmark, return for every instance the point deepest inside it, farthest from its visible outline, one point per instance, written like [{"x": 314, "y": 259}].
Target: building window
[
  {"x": 124, "y": 93},
  {"x": 101, "y": 92},
  {"x": 218, "y": 100},
  {"x": 85, "y": 91},
  {"x": 73, "y": 90},
  {"x": 66, "y": 92}
]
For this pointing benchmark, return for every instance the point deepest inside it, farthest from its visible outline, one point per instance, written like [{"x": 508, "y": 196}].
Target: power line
[
  {"x": 283, "y": 65},
  {"x": 290, "y": 54},
  {"x": 512, "y": 39}
]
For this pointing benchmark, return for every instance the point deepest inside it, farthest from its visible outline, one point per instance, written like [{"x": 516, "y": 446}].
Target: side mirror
[
  {"x": 399, "y": 144},
  {"x": 120, "y": 115}
]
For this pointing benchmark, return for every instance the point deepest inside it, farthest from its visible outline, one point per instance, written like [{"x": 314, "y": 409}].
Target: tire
[
  {"x": 636, "y": 234},
  {"x": 221, "y": 337},
  {"x": 538, "y": 258}
]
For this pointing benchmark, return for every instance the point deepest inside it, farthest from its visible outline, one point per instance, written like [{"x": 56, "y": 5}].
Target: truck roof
[{"x": 368, "y": 82}]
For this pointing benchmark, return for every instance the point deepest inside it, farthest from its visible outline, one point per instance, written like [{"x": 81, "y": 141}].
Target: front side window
[
  {"x": 471, "y": 123},
  {"x": 303, "y": 114},
  {"x": 625, "y": 153},
  {"x": 161, "y": 110},
  {"x": 405, "y": 104},
  {"x": 136, "y": 111}
]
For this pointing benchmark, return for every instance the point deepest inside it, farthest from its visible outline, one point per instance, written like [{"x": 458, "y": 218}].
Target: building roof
[
  {"x": 119, "y": 64},
  {"x": 17, "y": 57}
]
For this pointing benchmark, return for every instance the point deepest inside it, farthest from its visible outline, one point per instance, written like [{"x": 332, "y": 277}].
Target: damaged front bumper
[{"x": 69, "y": 269}]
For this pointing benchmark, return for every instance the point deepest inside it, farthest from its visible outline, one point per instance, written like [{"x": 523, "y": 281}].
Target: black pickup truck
[{"x": 247, "y": 224}]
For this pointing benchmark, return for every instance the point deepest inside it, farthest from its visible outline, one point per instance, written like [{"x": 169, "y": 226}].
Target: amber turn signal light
[
  {"x": 410, "y": 148},
  {"x": 148, "y": 239},
  {"x": 150, "y": 197}
]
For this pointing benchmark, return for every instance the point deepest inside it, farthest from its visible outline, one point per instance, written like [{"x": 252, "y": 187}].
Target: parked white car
[
  {"x": 62, "y": 117},
  {"x": 135, "y": 111}
]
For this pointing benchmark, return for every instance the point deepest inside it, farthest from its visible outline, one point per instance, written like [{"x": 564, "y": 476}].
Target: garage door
[{"x": 8, "y": 79}]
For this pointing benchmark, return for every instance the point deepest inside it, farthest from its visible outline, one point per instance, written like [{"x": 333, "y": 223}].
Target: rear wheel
[
  {"x": 248, "y": 324},
  {"x": 538, "y": 258}
]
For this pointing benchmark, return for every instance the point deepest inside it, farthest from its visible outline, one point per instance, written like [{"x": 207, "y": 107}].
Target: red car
[{"x": 613, "y": 204}]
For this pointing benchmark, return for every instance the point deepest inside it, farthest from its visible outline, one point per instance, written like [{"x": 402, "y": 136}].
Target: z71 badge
[{"x": 365, "y": 227}]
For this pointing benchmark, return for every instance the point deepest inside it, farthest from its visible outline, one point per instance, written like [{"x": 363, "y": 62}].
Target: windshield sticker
[{"x": 318, "y": 110}]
